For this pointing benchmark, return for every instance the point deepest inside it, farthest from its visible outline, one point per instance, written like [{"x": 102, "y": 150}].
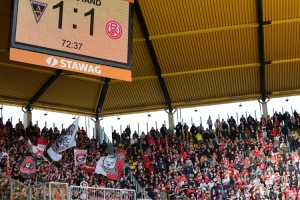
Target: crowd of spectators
[
  {"x": 231, "y": 159},
  {"x": 63, "y": 171},
  {"x": 234, "y": 159}
]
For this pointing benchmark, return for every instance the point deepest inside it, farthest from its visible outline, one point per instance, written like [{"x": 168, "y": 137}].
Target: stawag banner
[{"x": 64, "y": 142}]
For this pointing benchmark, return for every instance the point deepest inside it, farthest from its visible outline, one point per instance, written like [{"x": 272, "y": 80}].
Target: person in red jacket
[{"x": 274, "y": 132}]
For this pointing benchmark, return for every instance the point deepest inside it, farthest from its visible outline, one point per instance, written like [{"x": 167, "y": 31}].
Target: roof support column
[
  {"x": 27, "y": 117},
  {"x": 102, "y": 98},
  {"x": 171, "y": 120},
  {"x": 98, "y": 137},
  {"x": 261, "y": 49},
  {"x": 152, "y": 53},
  {"x": 264, "y": 109}
]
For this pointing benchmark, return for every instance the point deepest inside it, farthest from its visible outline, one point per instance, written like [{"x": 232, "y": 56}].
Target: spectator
[
  {"x": 114, "y": 136},
  {"x": 163, "y": 130},
  {"x": 128, "y": 132},
  {"x": 209, "y": 123},
  {"x": 8, "y": 124}
]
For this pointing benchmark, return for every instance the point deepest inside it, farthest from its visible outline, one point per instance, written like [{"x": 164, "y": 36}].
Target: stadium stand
[
  {"x": 234, "y": 159},
  {"x": 231, "y": 159}
]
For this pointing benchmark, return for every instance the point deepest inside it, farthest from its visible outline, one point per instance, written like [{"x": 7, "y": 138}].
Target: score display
[{"x": 92, "y": 32}]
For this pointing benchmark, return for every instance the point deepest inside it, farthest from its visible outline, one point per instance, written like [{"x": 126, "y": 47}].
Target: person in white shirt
[
  {"x": 210, "y": 184},
  {"x": 203, "y": 186}
]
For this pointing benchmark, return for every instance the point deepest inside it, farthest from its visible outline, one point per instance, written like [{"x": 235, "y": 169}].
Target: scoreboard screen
[{"x": 85, "y": 36}]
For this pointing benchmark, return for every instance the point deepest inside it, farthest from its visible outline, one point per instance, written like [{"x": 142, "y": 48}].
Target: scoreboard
[{"x": 85, "y": 36}]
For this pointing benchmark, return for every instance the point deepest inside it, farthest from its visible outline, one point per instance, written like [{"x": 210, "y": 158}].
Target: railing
[
  {"x": 103, "y": 136},
  {"x": 96, "y": 193},
  {"x": 19, "y": 190},
  {"x": 13, "y": 190},
  {"x": 138, "y": 187},
  {"x": 5, "y": 187}
]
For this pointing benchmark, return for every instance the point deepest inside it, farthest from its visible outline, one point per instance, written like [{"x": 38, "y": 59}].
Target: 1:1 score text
[{"x": 90, "y": 13}]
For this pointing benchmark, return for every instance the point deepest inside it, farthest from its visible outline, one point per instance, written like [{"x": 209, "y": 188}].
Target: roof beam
[
  {"x": 44, "y": 88},
  {"x": 152, "y": 53},
  {"x": 208, "y": 30},
  {"x": 102, "y": 97},
  {"x": 211, "y": 30},
  {"x": 210, "y": 70},
  {"x": 261, "y": 50}
]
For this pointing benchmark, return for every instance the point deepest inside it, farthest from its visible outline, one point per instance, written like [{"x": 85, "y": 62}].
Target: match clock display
[{"x": 96, "y": 31}]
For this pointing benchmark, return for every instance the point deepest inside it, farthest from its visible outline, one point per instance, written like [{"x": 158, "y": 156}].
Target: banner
[
  {"x": 64, "y": 142},
  {"x": 89, "y": 168},
  {"x": 111, "y": 165},
  {"x": 28, "y": 167},
  {"x": 80, "y": 157}
]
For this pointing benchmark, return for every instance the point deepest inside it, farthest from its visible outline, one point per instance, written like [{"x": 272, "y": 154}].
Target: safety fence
[
  {"x": 19, "y": 190},
  {"x": 96, "y": 193},
  {"x": 13, "y": 190}
]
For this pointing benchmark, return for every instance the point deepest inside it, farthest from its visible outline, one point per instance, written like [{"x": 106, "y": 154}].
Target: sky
[{"x": 140, "y": 122}]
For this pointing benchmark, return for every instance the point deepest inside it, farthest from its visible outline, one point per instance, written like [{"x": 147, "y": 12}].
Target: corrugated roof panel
[
  {"x": 274, "y": 10},
  {"x": 135, "y": 94},
  {"x": 137, "y": 31},
  {"x": 207, "y": 50},
  {"x": 282, "y": 41},
  {"x": 20, "y": 84},
  {"x": 141, "y": 61},
  {"x": 283, "y": 76},
  {"x": 5, "y": 9},
  {"x": 213, "y": 85},
  {"x": 4, "y": 24},
  {"x": 72, "y": 93},
  {"x": 165, "y": 16}
]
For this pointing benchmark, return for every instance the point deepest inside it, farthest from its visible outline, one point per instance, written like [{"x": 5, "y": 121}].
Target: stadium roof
[{"x": 186, "y": 53}]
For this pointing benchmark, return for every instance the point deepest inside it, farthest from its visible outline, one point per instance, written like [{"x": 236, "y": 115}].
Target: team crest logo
[
  {"x": 84, "y": 184},
  {"x": 28, "y": 166},
  {"x": 109, "y": 163},
  {"x": 38, "y": 9}
]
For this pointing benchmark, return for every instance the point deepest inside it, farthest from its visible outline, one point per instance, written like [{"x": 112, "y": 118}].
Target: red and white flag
[
  {"x": 42, "y": 143},
  {"x": 111, "y": 165},
  {"x": 80, "y": 157},
  {"x": 38, "y": 151}
]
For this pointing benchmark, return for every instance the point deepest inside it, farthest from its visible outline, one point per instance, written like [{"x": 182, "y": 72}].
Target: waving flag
[
  {"x": 111, "y": 165},
  {"x": 35, "y": 149},
  {"x": 64, "y": 142},
  {"x": 42, "y": 143},
  {"x": 80, "y": 157},
  {"x": 28, "y": 167}
]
